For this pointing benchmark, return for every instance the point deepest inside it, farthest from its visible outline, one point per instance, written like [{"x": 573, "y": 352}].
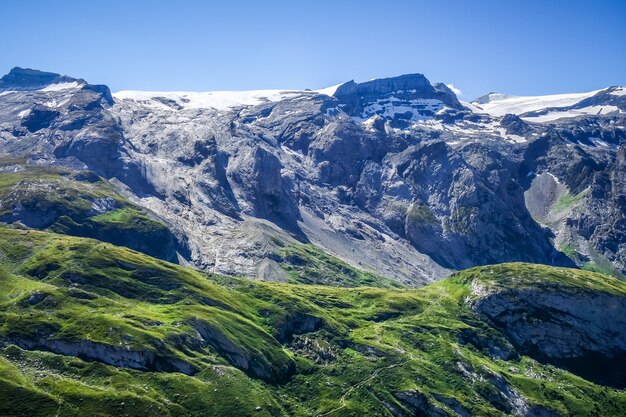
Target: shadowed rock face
[
  {"x": 39, "y": 118},
  {"x": 145, "y": 360},
  {"x": 276, "y": 370},
  {"x": 296, "y": 324},
  {"x": 580, "y": 330},
  {"x": 394, "y": 176},
  {"x": 29, "y": 79}
]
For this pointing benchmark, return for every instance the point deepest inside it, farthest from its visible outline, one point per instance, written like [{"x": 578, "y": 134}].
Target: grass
[
  {"x": 600, "y": 264},
  {"x": 603, "y": 268},
  {"x": 420, "y": 213},
  {"x": 248, "y": 351},
  {"x": 568, "y": 201},
  {"x": 522, "y": 275},
  {"x": 307, "y": 264},
  {"x": 596, "y": 261},
  {"x": 570, "y": 251}
]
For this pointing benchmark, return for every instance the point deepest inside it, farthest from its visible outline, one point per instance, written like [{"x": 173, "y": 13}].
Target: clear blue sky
[{"x": 517, "y": 47}]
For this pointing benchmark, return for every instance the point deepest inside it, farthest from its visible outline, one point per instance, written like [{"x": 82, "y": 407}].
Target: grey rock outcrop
[
  {"x": 146, "y": 360},
  {"x": 583, "y": 331}
]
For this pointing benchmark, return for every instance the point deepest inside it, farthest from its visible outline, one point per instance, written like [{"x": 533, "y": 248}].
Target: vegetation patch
[
  {"x": 78, "y": 204},
  {"x": 307, "y": 264},
  {"x": 568, "y": 201},
  {"x": 421, "y": 213},
  {"x": 260, "y": 348}
]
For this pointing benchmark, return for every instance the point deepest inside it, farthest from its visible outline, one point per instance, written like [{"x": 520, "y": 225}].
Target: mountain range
[
  {"x": 188, "y": 253},
  {"x": 395, "y": 177}
]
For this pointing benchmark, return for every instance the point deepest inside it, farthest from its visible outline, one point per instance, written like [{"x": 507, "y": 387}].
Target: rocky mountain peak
[
  {"x": 30, "y": 79},
  {"x": 407, "y": 96},
  {"x": 386, "y": 85},
  {"x": 27, "y": 79},
  {"x": 409, "y": 182},
  {"x": 514, "y": 125}
]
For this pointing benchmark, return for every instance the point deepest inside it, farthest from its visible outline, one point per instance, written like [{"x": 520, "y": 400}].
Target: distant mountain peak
[
  {"x": 26, "y": 79},
  {"x": 406, "y": 95},
  {"x": 30, "y": 79},
  {"x": 551, "y": 107},
  {"x": 385, "y": 85}
]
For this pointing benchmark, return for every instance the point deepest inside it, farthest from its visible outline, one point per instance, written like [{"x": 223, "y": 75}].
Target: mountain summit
[
  {"x": 25, "y": 79},
  {"x": 410, "y": 95}
]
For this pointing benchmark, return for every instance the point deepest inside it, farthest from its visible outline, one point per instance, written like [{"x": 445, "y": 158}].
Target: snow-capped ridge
[
  {"x": 553, "y": 107},
  {"x": 498, "y": 104},
  {"x": 618, "y": 91},
  {"x": 409, "y": 86},
  {"x": 219, "y": 100},
  {"x": 329, "y": 91}
]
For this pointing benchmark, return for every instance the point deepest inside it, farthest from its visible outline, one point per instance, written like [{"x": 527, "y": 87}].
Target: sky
[{"x": 479, "y": 46}]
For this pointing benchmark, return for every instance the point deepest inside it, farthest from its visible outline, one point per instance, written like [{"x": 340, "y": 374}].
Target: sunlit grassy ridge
[{"x": 153, "y": 338}]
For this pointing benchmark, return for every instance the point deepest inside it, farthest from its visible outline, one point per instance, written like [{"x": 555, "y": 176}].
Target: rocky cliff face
[
  {"x": 402, "y": 98},
  {"x": 560, "y": 324},
  {"x": 393, "y": 176}
]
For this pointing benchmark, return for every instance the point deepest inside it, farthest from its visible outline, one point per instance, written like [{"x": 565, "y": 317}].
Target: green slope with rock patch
[
  {"x": 89, "y": 328},
  {"x": 79, "y": 203}
]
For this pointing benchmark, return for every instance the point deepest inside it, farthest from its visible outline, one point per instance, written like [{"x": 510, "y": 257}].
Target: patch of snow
[
  {"x": 54, "y": 103},
  {"x": 472, "y": 107},
  {"x": 454, "y": 89},
  {"x": 501, "y": 104},
  {"x": 369, "y": 123},
  {"x": 621, "y": 91},
  {"x": 329, "y": 91},
  {"x": 511, "y": 137},
  {"x": 585, "y": 111},
  {"x": 23, "y": 113},
  {"x": 554, "y": 177},
  {"x": 61, "y": 86},
  {"x": 390, "y": 107},
  {"x": 219, "y": 100},
  {"x": 332, "y": 111},
  {"x": 465, "y": 131},
  {"x": 602, "y": 143},
  {"x": 297, "y": 153}
]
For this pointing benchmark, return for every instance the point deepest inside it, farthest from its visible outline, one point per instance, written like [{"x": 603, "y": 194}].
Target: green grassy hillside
[{"x": 88, "y": 328}]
